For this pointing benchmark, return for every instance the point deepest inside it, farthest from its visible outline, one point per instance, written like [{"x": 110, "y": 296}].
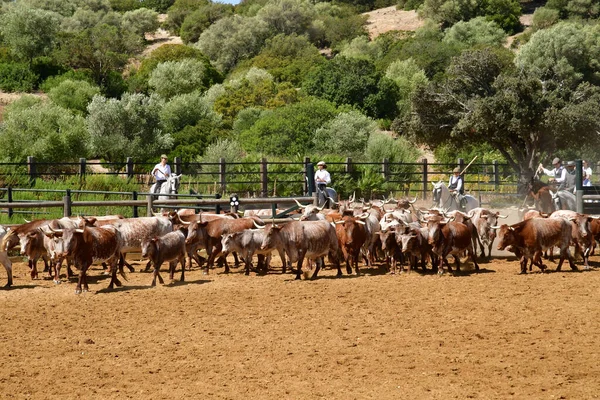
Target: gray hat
[
  {"x": 556, "y": 161},
  {"x": 457, "y": 169},
  {"x": 570, "y": 163},
  {"x": 321, "y": 163}
]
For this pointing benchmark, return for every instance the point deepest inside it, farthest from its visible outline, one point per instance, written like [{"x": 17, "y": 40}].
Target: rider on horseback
[
  {"x": 456, "y": 187},
  {"x": 559, "y": 175},
  {"x": 161, "y": 172}
]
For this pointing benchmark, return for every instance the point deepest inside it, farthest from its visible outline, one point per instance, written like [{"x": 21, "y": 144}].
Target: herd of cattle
[{"x": 392, "y": 231}]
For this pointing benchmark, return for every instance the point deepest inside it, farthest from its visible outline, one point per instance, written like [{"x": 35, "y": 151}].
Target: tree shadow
[
  {"x": 185, "y": 283},
  {"x": 17, "y": 287}
]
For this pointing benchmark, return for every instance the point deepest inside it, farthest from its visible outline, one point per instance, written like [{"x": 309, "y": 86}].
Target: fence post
[
  {"x": 307, "y": 176},
  {"x": 310, "y": 181},
  {"x": 67, "y": 203},
  {"x": 9, "y": 196},
  {"x": 222, "y": 174},
  {"x": 579, "y": 185},
  {"x": 217, "y": 206},
  {"x": 425, "y": 178},
  {"x": 82, "y": 163},
  {"x": 31, "y": 169},
  {"x": 385, "y": 168},
  {"x": 348, "y": 166},
  {"x": 496, "y": 175},
  {"x": 461, "y": 165},
  {"x": 177, "y": 165},
  {"x": 134, "y": 196},
  {"x": 264, "y": 182},
  {"x": 149, "y": 205},
  {"x": 129, "y": 168}
]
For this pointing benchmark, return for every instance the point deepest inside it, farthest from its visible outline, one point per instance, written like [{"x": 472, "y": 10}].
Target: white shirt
[
  {"x": 322, "y": 176},
  {"x": 587, "y": 179},
  {"x": 552, "y": 173},
  {"x": 161, "y": 173},
  {"x": 458, "y": 184}
]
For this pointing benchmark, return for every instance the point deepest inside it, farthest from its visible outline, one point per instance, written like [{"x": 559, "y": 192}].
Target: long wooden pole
[{"x": 468, "y": 165}]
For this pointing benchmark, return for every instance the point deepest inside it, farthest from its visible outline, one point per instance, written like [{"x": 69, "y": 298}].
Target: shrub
[
  {"x": 177, "y": 77},
  {"x": 17, "y": 77},
  {"x": 74, "y": 95},
  {"x": 346, "y": 134},
  {"x": 187, "y": 110}
]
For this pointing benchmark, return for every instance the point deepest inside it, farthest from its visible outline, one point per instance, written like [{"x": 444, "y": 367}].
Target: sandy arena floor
[{"x": 492, "y": 335}]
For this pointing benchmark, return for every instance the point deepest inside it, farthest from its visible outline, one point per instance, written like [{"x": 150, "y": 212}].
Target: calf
[
  {"x": 169, "y": 247},
  {"x": 581, "y": 235},
  {"x": 529, "y": 238},
  {"x": 351, "y": 234},
  {"x": 247, "y": 243},
  {"x": 415, "y": 244},
  {"x": 483, "y": 220},
  {"x": 391, "y": 249}
]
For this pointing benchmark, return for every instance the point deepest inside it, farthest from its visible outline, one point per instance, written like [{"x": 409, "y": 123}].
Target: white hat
[{"x": 321, "y": 163}]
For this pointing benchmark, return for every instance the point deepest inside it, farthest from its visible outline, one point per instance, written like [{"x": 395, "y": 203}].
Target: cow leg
[
  {"x": 56, "y": 266},
  {"x": 182, "y": 261},
  {"x": 299, "y": 266},
  {"x": 32, "y": 268},
  {"x": 318, "y": 264},
  {"x": 523, "y": 263},
  {"x": 236, "y": 260},
  {"x": 82, "y": 282},
  {"x": 473, "y": 258},
  {"x": 283, "y": 261},
  {"x": 4, "y": 260},
  {"x": 156, "y": 273}
]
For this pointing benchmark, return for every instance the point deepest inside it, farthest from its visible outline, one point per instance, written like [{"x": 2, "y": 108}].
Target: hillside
[{"x": 389, "y": 18}]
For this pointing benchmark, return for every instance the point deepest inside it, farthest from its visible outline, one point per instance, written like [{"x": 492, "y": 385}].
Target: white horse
[
  {"x": 564, "y": 200},
  {"x": 169, "y": 187},
  {"x": 443, "y": 199}
]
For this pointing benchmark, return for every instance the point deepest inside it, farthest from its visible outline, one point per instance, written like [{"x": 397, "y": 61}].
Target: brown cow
[
  {"x": 415, "y": 244},
  {"x": 169, "y": 247},
  {"x": 89, "y": 244},
  {"x": 581, "y": 234},
  {"x": 483, "y": 220},
  {"x": 391, "y": 249},
  {"x": 529, "y": 238},
  {"x": 450, "y": 238},
  {"x": 351, "y": 234}
]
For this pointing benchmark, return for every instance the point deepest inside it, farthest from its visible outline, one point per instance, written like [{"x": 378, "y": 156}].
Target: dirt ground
[{"x": 488, "y": 335}]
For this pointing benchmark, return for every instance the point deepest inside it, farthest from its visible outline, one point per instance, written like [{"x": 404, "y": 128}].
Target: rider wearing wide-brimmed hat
[
  {"x": 161, "y": 172},
  {"x": 457, "y": 187},
  {"x": 322, "y": 179},
  {"x": 558, "y": 174}
]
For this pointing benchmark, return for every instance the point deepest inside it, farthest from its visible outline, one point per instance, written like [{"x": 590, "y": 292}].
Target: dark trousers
[
  {"x": 321, "y": 193},
  {"x": 158, "y": 185}
]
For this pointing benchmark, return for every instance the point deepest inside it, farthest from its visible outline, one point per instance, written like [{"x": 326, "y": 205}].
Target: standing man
[
  {"x": 322, "y": 179},
  {"x": 161, "y": 172},
  {"x": 558, "y": 174},
  {"x": 456, "y": 187},
  {"x": 569, "y": 183}
]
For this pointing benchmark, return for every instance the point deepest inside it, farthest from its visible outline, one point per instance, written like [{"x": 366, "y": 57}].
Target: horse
[
  {"x": 169, "y": 187},
  {"x": 442, "y": 198},
  {"x": 540, "y": 192},
  {"x": 564, "y": 200}
]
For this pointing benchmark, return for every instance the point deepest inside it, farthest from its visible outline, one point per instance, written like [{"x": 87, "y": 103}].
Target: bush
[
  {"x": 74, "y": 95},
  {"x": 545, "y": 17},
  {"x": 199, "y": 20},
  {"x": 177, "y": 77},
  {"x": 17, "y": 77},
  {"x": 187, "y": 110},
  {"x": 192, "y": 141},
  {"x": 477, "y": 31},
  {"x": 347, "y": 134},
  {"x": 396, "y": 150},
  {"x": 140, "y": 21},
  {"x": 72, "y": 75}
]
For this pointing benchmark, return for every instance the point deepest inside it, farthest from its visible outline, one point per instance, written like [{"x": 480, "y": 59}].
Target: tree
[
  {"x": 287, "y": 16},
  {"x": 477, "y": 31},
  {"x": 187, "y": 110},
  {"x": 346, "y": 134},
  {"x": 232, "y": 39},
  {"x": 515, "y": 112},
  {"x": 288, "y": 130},
  {"x": 198, "y": 21},
  {"x": 407, "y": 76},
  {"x": 177, "y": 77},
  {"x": 73, "y": 95},
  {"x": 48, "y": 132},
  {"x": 29, "y": 32},
  {"x": 141, "y": 21},
  {"x": 129, "y": 127},
  {"x": 505, "y": 13},
  {"x": 449, "y": 12},
  {"x": 353, "y": 82}
]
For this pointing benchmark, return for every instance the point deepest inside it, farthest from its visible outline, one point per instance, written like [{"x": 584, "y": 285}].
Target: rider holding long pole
[
  {"x": 161, "y": 172},
  {"x": 456, "y": 187}
]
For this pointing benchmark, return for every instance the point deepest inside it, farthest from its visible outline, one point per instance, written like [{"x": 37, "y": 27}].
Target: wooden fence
[{"x": 270, "y": 178}]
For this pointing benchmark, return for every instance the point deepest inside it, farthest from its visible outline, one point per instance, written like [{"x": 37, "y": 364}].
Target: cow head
[
  {"x": 272, "y": 237},
  {"x": 227, "y": 241},
  {"x": 29, "y": 241},
  {"x": 196, "y": 232},
  {"x": 150, "y": 247},
  {"x": 506, "y": 236},
  {"x": 435, "y": 225}
]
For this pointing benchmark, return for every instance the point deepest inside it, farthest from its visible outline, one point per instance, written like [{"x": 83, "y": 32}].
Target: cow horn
[
  {"x": 333, "y": 201},
  {"x": 157, "y": 214},
  {"x": 258, "y": 226},
  {"x": 26, "y": 221},
  {"x": 502, "y": 216},
  {"x": 363, "y": 216},
  {"x": 299, "y": 205},
  {"x": 414, "y": 201},
  {"x": 340, "y": 222},
  {"x": 361, "y": 222},
  {"x": 183, "y": 222},
  {"x": 351, "y": 199},
  {"x": 495, "y": 227},
  {"x": 322, "y": 207},
  {"x": 79, "y": 230}
]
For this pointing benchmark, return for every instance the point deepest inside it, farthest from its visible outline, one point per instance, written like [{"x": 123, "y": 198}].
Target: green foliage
[
  {"x": 160, "y": 6},
  {"x": 407, "y": 76},
  {"x": 228, "y": 149},
  {"x": 505, "y": 13},
  {"x": 584, "y": 9},
  {"x": 191, "y": 141},
  {"x": 397, "y": 150},
  {"x": 246, "y": 92},
  {"x": 287, "y": 16},
  {"x": 43, "y": 130},
  {"x": 171, "y": 78},
  {"x": 129, "y": 127},
  {"x": 288, "y": 130},
  {"x": 187, "y": 110},
  {"x": 17, "y": 77},
  {"x": 29, "y": 32},
  {"x": 246, "y": 118},
  {"x": 410, "y": 4},
  {"x": 346, "y": 134},
  {"x": 197, "y": 22},
  {"x": 287, "y": 58},
  {"x": 172, "y": 52},
  {"x": 477, "y": 31},
  {"x": 232, "y": 39},
  {"x": 362, "y": 48},
  {"x": 545, "y": 17},
  {"x": 353, "y": 82},
  {"x": 449, "y": 12},
  {"x": 141, "y": 21},
  {"x": 179, "y": 11},
  {"x": 334, "y": 31},
  {"x": 73, "y": 95},
  {"x": 430, "y": 54},
  {"x": 567, "y": 50}
]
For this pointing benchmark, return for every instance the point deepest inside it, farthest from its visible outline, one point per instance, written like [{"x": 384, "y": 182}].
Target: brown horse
[{"x": 540, "y": 192}]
